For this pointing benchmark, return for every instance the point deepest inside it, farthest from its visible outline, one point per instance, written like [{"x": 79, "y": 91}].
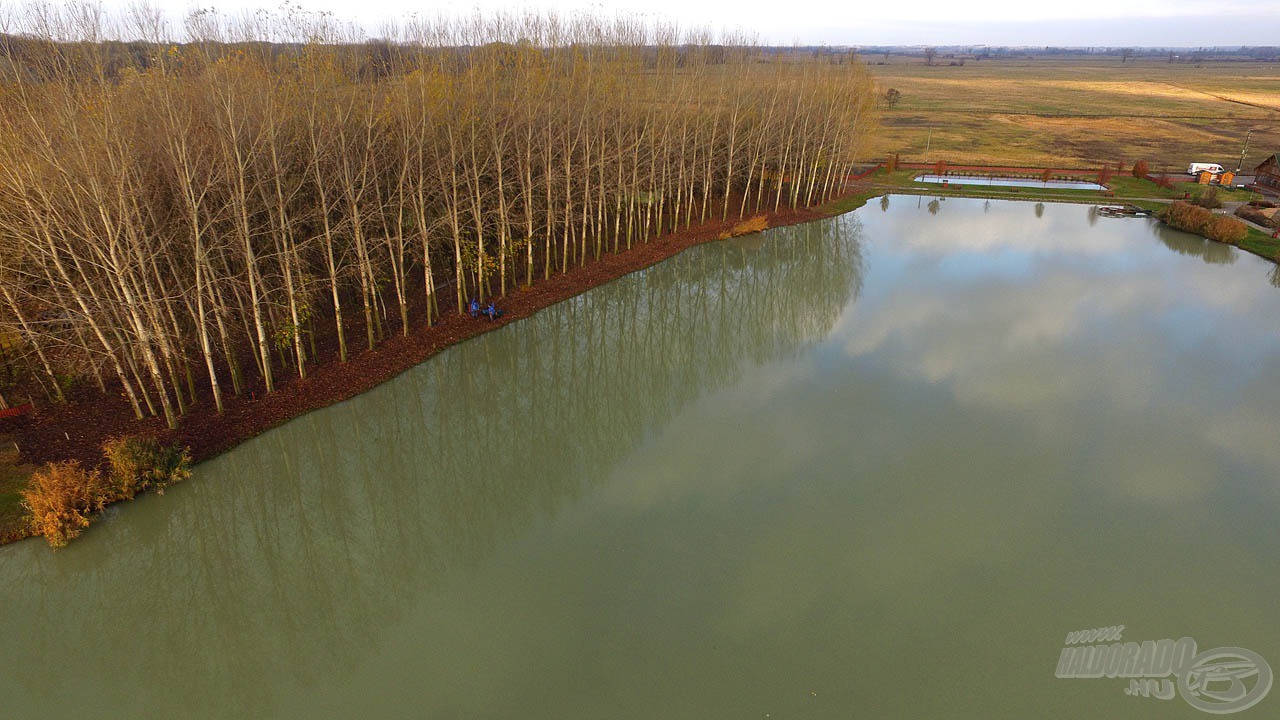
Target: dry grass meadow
[{"x": 1078, "y": 111}]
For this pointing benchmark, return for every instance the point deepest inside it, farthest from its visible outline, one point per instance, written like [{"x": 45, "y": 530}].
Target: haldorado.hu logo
[{"x": 1219, "y": 681}]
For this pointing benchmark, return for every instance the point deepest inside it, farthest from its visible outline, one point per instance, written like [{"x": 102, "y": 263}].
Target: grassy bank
[
  {"x": 1261, "y": 244},
  {"x": 903, "y": 181},
  {"x": 13, "y": 479},
  {"x": 1124, "y": 189}
]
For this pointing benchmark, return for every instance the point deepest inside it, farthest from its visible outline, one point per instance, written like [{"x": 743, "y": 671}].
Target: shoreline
[{"x": 77, "y": 430}]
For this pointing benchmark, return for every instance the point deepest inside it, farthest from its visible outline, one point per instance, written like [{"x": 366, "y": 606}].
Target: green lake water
[{"x": 876, "y": 466}]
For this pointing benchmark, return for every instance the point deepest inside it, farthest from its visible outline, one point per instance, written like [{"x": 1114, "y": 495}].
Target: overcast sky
[{"x": 849, "y": 22}]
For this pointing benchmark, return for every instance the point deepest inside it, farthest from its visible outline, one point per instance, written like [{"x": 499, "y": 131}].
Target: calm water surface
[{"x": 877, "y": 466}]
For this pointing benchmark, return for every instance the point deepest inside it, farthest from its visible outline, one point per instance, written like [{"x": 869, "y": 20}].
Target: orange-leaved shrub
[
  {"x": 1225, "y": 229},
  {"x": 1185, "y": 216},
  {"x": 62, "y": 497},
  {"x": 750, "y": 225},
  {"x": 141, "y": 463},
  {"x": 1220, "y": 228}
]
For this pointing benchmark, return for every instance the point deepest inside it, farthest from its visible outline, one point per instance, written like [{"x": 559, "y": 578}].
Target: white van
[{"x": 1197, "y": 168}]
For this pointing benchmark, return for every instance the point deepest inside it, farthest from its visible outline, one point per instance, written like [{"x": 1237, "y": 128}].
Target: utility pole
[{"x": 1244, "y": 150}]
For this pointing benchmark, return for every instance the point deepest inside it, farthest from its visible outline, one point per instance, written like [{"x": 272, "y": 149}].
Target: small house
[{"x": 1268, "y": 174}]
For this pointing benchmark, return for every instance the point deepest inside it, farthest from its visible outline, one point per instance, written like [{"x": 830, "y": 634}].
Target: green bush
[
  {"x": 141, "y": 463},
  {"x": 62, "y": 497},
  {"x": 1208, "y": 199}
]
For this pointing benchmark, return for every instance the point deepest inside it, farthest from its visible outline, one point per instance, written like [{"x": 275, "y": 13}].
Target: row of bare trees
[{"x": 180, "y": 221}]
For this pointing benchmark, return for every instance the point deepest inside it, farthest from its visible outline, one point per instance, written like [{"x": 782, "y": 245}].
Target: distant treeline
[
  {"x": 984, "y": 52},
  {"x": 181, "y": 220}
]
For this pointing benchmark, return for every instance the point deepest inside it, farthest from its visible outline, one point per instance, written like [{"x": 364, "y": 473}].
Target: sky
[{"x": 1087, "y": 23}]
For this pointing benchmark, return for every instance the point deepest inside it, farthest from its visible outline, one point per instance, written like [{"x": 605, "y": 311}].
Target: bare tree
[{"x": 177, "y": 215}]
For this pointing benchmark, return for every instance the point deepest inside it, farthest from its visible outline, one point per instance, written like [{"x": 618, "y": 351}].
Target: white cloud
[{"x": 1088, "y": 22}]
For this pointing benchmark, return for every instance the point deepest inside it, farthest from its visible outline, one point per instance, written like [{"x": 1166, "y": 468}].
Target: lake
[{"x": 874, "y": 466}]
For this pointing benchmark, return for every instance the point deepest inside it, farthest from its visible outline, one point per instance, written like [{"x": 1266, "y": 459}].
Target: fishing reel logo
[
  {"x": 1216, "y": 680},
  {"x": 1219, "y": 681}
]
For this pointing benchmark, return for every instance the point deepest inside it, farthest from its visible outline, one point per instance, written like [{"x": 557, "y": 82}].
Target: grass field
[{"x": 1079, "y": 111}]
